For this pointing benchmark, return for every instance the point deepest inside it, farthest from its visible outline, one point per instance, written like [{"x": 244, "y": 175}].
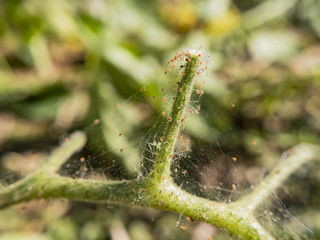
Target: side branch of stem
[{"x": 291, "y": 161}]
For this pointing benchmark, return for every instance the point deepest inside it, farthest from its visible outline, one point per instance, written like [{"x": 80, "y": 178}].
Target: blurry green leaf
[
  {"x": 45, "y": 109},
  {"x": 310, "y": 11},
  {"x": 265, "y": 12},
  {"x": 273, "y": 45},
  {"x": 119, "y": 120},
  {"x": 63, "y": 229},
  {"x": 92, "y": 231}
]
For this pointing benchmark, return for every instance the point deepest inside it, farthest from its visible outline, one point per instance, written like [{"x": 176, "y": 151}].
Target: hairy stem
[
  {"x": 291, "y": 161},
  {"x": 140, "y": 193},
  {"x": 231, "y": 218},
  {"x": 158, "y": 190},
  {"x": 71, "y": 145},
  {"x": 44, "y": 185},
  {"x": 163, "y": 161}
]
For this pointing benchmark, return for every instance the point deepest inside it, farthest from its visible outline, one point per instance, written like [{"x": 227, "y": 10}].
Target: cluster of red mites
[{"x": 181, "y": 57}]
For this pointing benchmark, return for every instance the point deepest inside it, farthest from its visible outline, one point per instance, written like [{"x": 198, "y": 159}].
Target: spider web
[
  {"x": 206, "y": 166},
  {"x": 208, "y": 162}
]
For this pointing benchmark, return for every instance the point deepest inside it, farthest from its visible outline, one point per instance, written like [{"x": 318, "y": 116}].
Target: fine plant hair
[{"x": 156, "y": 188}]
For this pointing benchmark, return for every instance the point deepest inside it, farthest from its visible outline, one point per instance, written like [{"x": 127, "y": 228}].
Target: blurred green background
[{"x": 64, "y": 64}]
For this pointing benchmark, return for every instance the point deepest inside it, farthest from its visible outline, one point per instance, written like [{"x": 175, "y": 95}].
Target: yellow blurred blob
[
  {"x": 181, "y": 15},
  {"x": 224, "y": 24}
]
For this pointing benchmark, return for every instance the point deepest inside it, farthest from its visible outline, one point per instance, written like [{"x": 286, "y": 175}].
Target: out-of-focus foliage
[{"x": 65, "y": 63}]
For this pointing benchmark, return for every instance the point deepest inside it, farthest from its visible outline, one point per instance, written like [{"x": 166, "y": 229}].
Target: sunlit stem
[
  {"x": 44, "y": 185},
  {"x": 71, "y": 145},
  {"x": 171, "y": 133},
  {"x": 292, "y": 160},
  {"x": 159, "y": 190}
]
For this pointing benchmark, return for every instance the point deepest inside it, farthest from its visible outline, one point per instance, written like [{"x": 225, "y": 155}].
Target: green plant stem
[
  {"x": 158, "y": 190},
  {"x": 292, "y": 160},
  {"x": 164, "y": 158},
  {"x": 44, "y": 185},
  {"x": 139, "y": 193},
  {"x": 231, "y": 218},
  {"x": 71, "y": 145},
  {"x": 235, "y": 218},
  {"x": 35, "y": 184}
]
